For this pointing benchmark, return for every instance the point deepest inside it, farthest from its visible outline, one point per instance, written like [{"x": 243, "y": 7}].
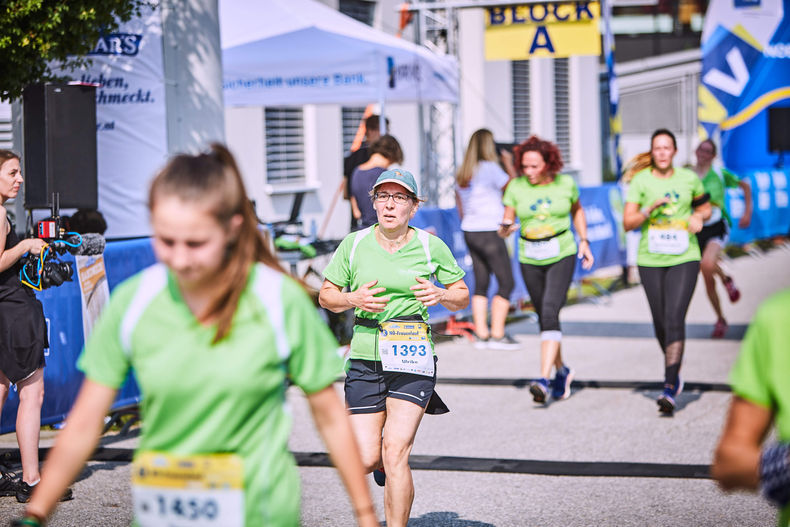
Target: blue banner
[
  {"x": 745, "y": 71},
  {"x": 770, "y": 209}
]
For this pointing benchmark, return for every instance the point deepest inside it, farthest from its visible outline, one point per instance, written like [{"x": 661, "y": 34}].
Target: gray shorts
[{"x": 368, "y": 386}]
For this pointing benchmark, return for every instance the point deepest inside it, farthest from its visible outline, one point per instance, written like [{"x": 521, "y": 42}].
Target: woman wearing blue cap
[{"x": 391, "y": 375}]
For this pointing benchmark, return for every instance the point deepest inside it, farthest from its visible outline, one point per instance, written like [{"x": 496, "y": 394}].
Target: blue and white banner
[
  {"x": 131, "y": 134},
  {"x": 745, "y": 70},
  {"x": 770, "y": 207}
]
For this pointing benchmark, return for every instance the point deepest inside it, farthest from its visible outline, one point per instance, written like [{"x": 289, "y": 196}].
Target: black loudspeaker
[
  {"x": 779, "y": 129},
  {"x": 59, "y": 128}
]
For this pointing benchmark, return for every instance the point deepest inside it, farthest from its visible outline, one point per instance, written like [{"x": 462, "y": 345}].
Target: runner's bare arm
[
  {"x": 334, "y": 426},
  {"x": 454, "y": 296},
  {"x": 333, "y": 298},
  {"x": 736, "y": 464},
  {"x": 580, "y": 223},
  {"x": 73, "y": 446},
  {"x": 746, "y": 219}
]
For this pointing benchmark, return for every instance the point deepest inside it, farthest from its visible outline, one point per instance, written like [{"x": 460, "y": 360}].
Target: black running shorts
[{"x": 368, "y": 386}]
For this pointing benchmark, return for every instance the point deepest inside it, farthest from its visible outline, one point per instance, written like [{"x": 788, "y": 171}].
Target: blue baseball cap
[{"x": 401, "y": 177}]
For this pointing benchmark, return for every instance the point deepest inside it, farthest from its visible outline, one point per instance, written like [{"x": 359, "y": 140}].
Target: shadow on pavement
[
  {"x": 628, "y": 330},
  {"x": 445, "y": 519}
]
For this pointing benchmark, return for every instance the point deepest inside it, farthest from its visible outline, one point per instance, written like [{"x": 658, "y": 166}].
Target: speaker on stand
[
  {"x": 59, "y": 148},
  {"x": 779, "y": 132}
]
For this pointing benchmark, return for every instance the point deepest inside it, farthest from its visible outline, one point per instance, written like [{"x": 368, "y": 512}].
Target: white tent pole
[{"x": 382, "y": 64}]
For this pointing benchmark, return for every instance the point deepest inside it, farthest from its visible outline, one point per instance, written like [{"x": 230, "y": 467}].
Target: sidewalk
[{"x": 602, "y": 457}]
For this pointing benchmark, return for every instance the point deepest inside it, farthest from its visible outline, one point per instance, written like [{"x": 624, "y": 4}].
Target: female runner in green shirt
[
  {"x": 391, "y": 373},
  {"x": 669, "y": 204},
  {"x": 545, "y": 201},
  {"x": 213, "y": 333}
]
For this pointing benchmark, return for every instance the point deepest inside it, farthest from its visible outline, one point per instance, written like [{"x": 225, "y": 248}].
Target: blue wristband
[{"x": 775, "y": 473}]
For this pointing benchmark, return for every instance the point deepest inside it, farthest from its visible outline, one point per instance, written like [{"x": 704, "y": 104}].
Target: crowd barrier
[
  {"x": 602, "y": 204},
  {"x": 63, "y": 310}
]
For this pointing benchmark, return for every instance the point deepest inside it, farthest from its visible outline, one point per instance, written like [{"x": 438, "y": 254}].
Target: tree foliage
[{"x": 37, "y": 35}]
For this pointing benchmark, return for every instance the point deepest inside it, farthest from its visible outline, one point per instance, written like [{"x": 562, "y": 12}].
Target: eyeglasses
[{"x": 399, "y": 198}]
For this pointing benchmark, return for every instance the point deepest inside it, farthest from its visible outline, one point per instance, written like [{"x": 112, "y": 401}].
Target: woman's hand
[
  {"x": 660, "y": 202},
  {"x": 427, "y": 292},
  {"x": 585, "y": 254},
  {"x": 364, "y": 298},
  {"x": 506, "y": 229},
  {"x": 695, "y": 223},
  {"x": 34, "y": 245}
]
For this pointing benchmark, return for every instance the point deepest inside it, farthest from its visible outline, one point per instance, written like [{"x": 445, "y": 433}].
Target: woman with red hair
[{"x": 545, "y": 201}]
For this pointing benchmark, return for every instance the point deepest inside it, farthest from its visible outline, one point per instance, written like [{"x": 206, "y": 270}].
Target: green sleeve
[
  {"x": 338, "y": 271},
  {"x": 103, "y": 360},
  {"x": 313, "y": 363},
  {"x": 447, "y": 269},
  {"x": 749, "y": 374},
  {"x": 509, "y": 198},
  {"x": 634, "y": 193},
  {"x": 697, "y": 188},
  {"x": 730, "y": 179},
  {"x": 574, "y": 190}
]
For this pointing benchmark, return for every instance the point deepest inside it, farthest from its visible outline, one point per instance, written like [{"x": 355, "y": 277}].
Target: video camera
[{"x": 47, "y": 269}]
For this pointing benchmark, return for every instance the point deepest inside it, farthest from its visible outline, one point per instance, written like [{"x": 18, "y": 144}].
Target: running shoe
[
  {"x": 561, "y": 385},
  {"x": 24, "y": 491},
  {"x": 8, "y": 483},
  {"x": 379, "y": 477},
  {"x": 719, "y": 330},
  {"x": 539, "y": 389},
  {"x": 732, "y": 290},
  {"x": 667, "y": 401},
  {"x": 506, "y": 342},
  {"x": 480, "y": 344}
]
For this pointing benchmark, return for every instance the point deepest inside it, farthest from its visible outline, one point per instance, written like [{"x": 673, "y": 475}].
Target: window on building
[
  {"x": 5, "y": 126},
  {"x": 521, "y": 122},
  {"x": 361, "y": 10},
  {"x": 351, "y": 118},
  {"x": 562, "y": 121},
  {"x": 284, "y": 146},
  {"x": 649, "y": 107}
]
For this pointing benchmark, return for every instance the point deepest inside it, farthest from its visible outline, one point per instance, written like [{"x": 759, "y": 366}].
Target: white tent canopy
[{"x": 295, "y": 52}]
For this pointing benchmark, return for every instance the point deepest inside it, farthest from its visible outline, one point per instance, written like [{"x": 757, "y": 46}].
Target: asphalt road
[{"x": 602, "y": 457}]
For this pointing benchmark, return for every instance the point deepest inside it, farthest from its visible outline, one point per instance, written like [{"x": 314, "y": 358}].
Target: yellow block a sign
[{"x": 549, "y": 29}]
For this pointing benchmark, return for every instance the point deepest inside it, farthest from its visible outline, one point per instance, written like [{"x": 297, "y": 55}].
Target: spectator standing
[{"x": 479, "y": 186}]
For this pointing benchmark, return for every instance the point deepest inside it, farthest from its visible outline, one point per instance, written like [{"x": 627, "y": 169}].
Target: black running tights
[
  {"x": 547, "y": 286},
  {"x": 489, "y": 255},
  {"x": 669, "y": 291}
]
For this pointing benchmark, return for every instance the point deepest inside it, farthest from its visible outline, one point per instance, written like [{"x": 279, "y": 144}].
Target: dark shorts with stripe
[{"x": 368, "y": 386}]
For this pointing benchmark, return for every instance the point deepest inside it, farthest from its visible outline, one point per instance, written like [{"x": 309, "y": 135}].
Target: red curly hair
[{"x": 549, "y": 152}]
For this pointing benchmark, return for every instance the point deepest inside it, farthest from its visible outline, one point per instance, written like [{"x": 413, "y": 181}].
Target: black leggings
[
  {"x": 547, "y": 286},
  {"x": 489, "y": 255},
  {"x": 669, "y": 291}
]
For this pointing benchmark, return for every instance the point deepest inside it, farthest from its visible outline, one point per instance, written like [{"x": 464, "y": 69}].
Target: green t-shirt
[
  {"x": 199, "y": 398},
  {"x": 761, "y": 372},
  {"x": 543, "y": 211},
  {"x": 668, "y": 222},
  {"x": 360, "y": 259},
  {"x": 714, "y": 183}
]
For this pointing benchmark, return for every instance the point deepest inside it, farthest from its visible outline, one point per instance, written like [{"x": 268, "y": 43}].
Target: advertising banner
[
  {"x": 93, "y": 287},
  {"x": 549, "y": 29},
  {"x": 770, "y": 207},
  {"x": 131, "y": 120},
  {"x": 745, "y": 71}
]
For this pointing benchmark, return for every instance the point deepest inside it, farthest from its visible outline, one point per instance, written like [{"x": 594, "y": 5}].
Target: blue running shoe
[
  {"x": 561, "y": 385},
  {"x": 539, "y": 389},
  {"x": 667, "y": 401},
  {"x": 379, "y": 477}
]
